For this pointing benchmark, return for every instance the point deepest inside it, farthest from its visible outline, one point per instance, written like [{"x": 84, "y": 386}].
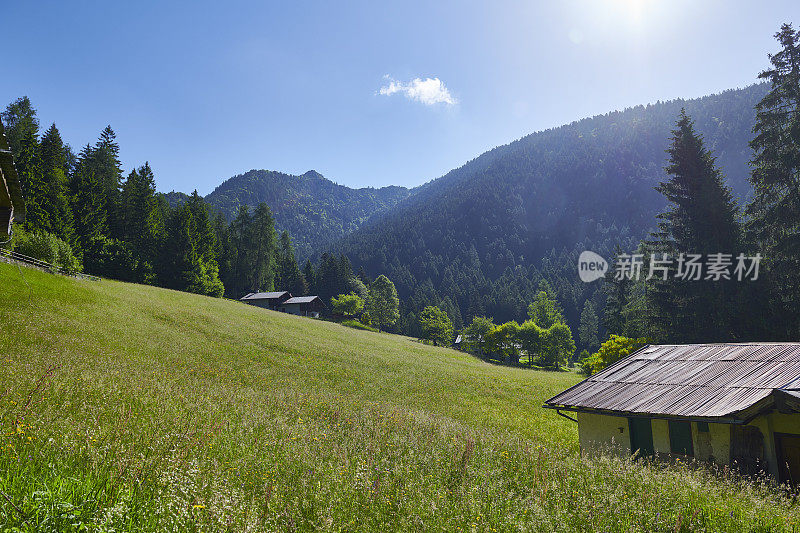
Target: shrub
[
  {"x": 347, "y": 304},
  {"x": 46, "y": 247},
  {"x": 611, "y": 351},
  {"x": 358, "y": 325},
  {"x": 66, "y": 257},
  {"x": 474, "y": 335},
  {"x": 111, "y": 258},
  {"x": 39, "y": 245}
]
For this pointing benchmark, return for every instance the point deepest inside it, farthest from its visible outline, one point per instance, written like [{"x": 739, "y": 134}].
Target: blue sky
[{"x": 207, "y": 90}]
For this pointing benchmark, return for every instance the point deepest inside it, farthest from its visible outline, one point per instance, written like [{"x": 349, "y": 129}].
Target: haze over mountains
[{"x": 513, "y": 215}]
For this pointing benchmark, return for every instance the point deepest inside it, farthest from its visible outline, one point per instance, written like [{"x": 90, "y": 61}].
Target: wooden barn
[
  {"x": 267, "y": 300},
  {"x": 303, "y": 306},
  {"x": 732, "y": 404},
  {"x": 12, "y": 206}
]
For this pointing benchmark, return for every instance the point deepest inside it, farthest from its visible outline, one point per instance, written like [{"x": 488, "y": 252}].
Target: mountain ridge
[
  {"x": 313, "y": 209},
  {"x": 521, "y": 212}
]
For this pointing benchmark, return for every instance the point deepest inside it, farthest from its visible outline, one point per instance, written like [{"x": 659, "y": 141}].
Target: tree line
[{"x": 85, "y": 213}]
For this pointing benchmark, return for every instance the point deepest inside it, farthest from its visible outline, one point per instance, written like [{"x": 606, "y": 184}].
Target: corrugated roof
[
  {"x": 264, "y": 295},
  {"x": 301, "y": 300},
  {"x": 692, "y": 380}
]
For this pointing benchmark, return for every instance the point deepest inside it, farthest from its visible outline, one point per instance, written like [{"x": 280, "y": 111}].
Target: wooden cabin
[
  {"x": 310, "y": 306},
  {"x": 12, "y": 205},
  {"x": 267, "y": 300},
  {"x": 732, "y": 404}
]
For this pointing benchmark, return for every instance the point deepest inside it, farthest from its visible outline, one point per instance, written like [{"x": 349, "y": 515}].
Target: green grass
[
  {"x": 358, "y": 325},
  {"x": 130, "y": 408}
]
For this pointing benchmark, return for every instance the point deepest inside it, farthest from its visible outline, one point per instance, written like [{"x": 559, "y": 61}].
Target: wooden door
[
  {"x": 788, "y": 448},
  {"x": 641, "y": 431}
]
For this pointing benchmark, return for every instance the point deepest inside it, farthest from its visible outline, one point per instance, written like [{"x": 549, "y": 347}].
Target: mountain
[
  {"x": 314, "y": 210},
  {"x": 481, "y": 238}
]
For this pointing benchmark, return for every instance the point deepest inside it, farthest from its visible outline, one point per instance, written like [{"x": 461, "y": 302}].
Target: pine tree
[
  {"x": 19, "y": 120},
  {"x": 289, "y": 277},
  {"x": 237, "y": 256},
  {"x": 55, "y": 166},
  {"x": 775, "y": 209},
  {"x": 107, "y": 168},
  {"x": 141, "y": 218},
  {"x": 589, "y": 326},
  {"x": 310, "y": 276},
  {"x": 89, "y": 206},
  {"x": 617, "y": 290},
  {"x": 34, "y": 189},
  {"x": 187, "y": 261},
  {"x": 262, "y": 274},
  {"x": 702, "y": 218}
]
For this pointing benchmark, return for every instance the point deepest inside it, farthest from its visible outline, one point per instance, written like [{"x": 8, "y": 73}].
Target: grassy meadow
[{"x": 131, "y": 408}]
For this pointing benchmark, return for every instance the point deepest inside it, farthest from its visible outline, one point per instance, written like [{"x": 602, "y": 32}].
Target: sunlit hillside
[{"x": 128, "y": 408}]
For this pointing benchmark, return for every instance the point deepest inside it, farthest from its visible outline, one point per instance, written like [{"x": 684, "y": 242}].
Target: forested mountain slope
[
  {"x": 479, "y": 239},
  {"x": 314, "y": 210}
]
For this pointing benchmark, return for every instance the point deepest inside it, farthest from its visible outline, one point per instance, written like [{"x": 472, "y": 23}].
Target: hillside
[
  {"x": 479, "y": 239},
  {"x": 314, "y": 210},
  {"x": 128, "y": 407}
]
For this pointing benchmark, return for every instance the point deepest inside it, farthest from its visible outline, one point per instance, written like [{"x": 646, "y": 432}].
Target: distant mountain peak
[
  {"x": 314, "y": 174},
  {"x": 313, "y": 209}
]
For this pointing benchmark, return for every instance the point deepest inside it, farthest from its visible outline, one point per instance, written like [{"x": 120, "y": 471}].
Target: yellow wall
[{"x": 602, "y": 433}]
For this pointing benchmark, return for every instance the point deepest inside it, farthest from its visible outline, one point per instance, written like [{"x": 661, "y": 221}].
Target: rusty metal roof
[{"x": 692, "y": 380}]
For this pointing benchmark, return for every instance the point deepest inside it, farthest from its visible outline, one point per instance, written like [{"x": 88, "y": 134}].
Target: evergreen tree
[
  {"x": 588, "y": 330},
  {"x": 188, "y": 260},
  {"x": 89, "y": 208},
  {"x": 617, "y": 291},
  {"x": 775, "y": 209},
  {"x": 701, "y": 219},
  {"x": 333, "y": 276},
  {"x": 105, "y": 164},
  {"x": 34, "y": 189},
  {"x": 289, "y": 277},
  {"x": 55, "y": 167},
  {"x": 262, "y": 248},
  {"x": 139, "y": 209},
  {"x": 20, "y": 121},
  {"x": 310, "y": 276},
  {"x": 237, "y": 280}
]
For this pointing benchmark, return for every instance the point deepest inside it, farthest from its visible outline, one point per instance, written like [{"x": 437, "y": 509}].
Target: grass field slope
[{"x": 132, "y": 408}]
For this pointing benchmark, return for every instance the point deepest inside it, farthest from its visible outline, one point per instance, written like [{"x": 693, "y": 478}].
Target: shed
[
  {"x": 12, "y": 205},
  {"x": 267, "y": 300},
  {"x": 303, "y": 306},
  {"x": 733, "y": 404}
]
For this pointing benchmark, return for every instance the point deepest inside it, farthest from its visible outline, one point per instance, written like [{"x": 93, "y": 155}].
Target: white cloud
[{"x": 429, "y": 91}]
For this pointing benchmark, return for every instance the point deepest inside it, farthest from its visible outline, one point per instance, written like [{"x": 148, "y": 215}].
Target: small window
[
  {"x": 680, "y": 437},
  {"x": 702, "y": 427}
]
